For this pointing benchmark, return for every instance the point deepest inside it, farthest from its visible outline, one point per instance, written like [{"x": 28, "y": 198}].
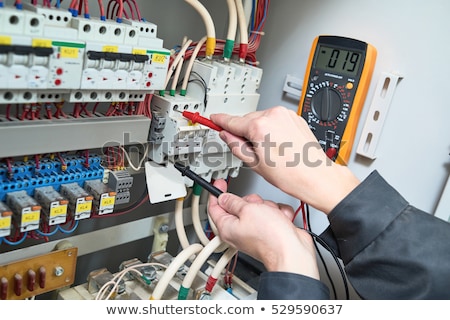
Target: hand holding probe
[
  {"x": 185, "y": 171},
  {"x": 197, "y": 118}
]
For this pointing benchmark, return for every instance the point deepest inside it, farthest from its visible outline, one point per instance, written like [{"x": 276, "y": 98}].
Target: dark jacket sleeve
[
  {"x": 290, "y": 286},
  {"x": 390, "y": 249}
]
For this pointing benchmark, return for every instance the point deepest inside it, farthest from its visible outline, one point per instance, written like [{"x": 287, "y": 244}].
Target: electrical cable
[
  {"x": 175, "y": 62},
  {"x": 176, "y": 263},
  {"x": 196, "y": 266},
  {"x": 320, "y": 255},
  {"x": 115, "y": 281},
  {"x": 243, "y": 31},
  {"x": 209, "y": 24},
  {"x": 232, "y": 27},
  {"x": 75, "y": 226},
  {"x": 177, "y": 72},
  {"x": 341, "y": 270},
  {"x": 190, "y": 65},
  {"x": 179, "y": 224},
  {"x": 47, "y": 234},
  {"x": 220, "y": 265},
  {"x": 15, "y": 243},
  {"x": 211, "y": 222},
  {"x": 204, "y": 85},
  {"x": 195, "y": 210},
  {"x": 130, "y": 163}
]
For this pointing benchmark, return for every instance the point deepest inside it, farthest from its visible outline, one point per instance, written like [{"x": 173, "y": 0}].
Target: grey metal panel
[{"x": 19, "y": 138}]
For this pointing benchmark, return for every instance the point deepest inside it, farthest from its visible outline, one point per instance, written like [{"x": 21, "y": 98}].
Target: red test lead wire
[{"x": 197, "y": 118}]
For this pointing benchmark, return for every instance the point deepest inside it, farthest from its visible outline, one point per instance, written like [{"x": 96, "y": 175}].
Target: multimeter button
[
  {"x": 331, "y": 153},
  {"x": 349, "y": 86}
]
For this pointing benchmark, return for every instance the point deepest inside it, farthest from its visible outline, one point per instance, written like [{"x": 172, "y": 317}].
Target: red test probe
[{"x": 197, "y": 118}]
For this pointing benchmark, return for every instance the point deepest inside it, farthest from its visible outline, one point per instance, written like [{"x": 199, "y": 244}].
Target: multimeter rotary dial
[{"x": 327, "y": 104}]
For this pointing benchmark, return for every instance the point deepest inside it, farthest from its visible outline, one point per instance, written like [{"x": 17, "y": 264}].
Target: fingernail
[{"x": 223, "y": 136}]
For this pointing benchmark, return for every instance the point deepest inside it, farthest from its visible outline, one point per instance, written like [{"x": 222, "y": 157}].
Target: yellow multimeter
[{"x": 336, "y": 82}]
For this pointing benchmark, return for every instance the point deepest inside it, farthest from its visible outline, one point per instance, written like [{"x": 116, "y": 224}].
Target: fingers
[
  {"x": 253, "y": 198},
  {"x": 240, "y": 147},
  {"x": 214, "y": 208},
  {"x": 287, "y": 211},
  {"x": 235, "y": 124},
  {"x": 232, "y": 203}
]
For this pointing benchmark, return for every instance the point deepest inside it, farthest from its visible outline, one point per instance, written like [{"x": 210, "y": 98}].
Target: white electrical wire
[
  {"x": 176, "y": 61},
  {"x": 223, "y": 261},
  {"x": 200, "y": 260},
  {"x": 130, "y": 163},
  {"x": 209, "y": 24},
  {"x": 178, "y": 70},
  {"x": 211, "y": 223},
  {"x": 195, "y": 211},
  {"x": 179, "y": 223},
  {"x": 232, "y": 20},
  {"x": 176, "y": 263},
  {"x": 199, "y": 229},
  {"x": 191, "y": 63},
  {"x": 114, "y": 282}
]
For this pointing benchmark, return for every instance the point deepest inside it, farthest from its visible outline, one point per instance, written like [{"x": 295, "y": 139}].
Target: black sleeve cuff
[
  {"x": 358, "y": 219},
  {"x": 291, "y": 286}
]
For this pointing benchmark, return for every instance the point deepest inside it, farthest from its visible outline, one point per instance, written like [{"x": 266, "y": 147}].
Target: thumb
[{"x": 232, "y": 203}]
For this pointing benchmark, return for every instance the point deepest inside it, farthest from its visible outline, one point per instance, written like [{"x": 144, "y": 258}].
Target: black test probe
[{"x": 185, "y": 171}]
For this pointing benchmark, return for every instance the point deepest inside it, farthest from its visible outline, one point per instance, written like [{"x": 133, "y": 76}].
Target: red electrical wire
[
  {"x": 63, "y": 163},
  {"x": 102, "y": 8},
  {"x": 37, "y": 164},
  {"x": 86, "y": 158},
  {"x": 131, "y": 9},
  {"x": 138, "y": 12},
  {"x": 86, "y": 8},
  {"x": 301, "y": 208}
]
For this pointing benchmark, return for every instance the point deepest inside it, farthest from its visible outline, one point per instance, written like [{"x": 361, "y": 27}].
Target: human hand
[
  {"x": 278, "y": 144},
  {"x": 263, "y": 230}
]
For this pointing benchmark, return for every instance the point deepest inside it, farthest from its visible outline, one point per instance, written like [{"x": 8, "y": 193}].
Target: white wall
[{"x": 410, "y": 36}]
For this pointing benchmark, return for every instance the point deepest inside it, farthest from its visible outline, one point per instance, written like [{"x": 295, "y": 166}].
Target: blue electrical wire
[
  {"x": 258, "y": 28},
  {"x": 11, "y": 243},
  {"x": 47, "y": 234},
  {"x": 70, "y": 230},
  {"x": 252, "y": 23}
]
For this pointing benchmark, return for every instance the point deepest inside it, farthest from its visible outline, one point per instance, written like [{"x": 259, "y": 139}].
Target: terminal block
[
  {"x": 121, "y": 181},
  {"x": 54, "y": 206},
  {"x": 104, "y": 197},
  {"x": 80, "y": 202},
  {"x": 156, "y": 128},
  {"x": 5, "y": 220},
  {"x": 26, "y": 210}
]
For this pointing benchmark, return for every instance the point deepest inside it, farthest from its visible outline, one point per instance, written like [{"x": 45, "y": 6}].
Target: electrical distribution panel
[{"x": 81, "y": 99}]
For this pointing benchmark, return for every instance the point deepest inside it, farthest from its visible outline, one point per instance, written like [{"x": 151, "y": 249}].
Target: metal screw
[
  {"x": 164, "y": 228},
  {"x": 59, "y": 271}
]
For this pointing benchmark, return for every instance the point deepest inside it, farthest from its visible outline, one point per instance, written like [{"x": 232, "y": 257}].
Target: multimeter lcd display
[{"x": 338, "y": 60}]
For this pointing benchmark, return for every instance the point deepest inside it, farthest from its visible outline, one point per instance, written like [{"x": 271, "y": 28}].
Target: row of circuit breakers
[{"x": 47, "y": 55}]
